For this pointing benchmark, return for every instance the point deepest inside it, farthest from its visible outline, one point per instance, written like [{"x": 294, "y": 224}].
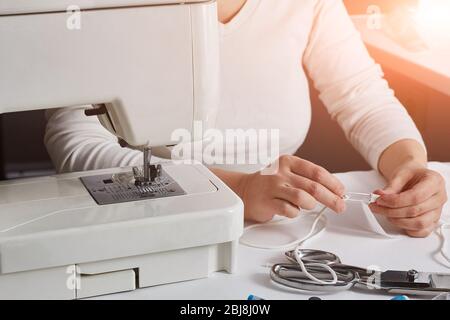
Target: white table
[
  {"x": 353, "y": 246},
  {"x": 430, "y": 67}
]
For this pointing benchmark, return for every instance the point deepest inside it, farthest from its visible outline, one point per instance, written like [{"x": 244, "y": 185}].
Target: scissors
[{"x": 323, "y": 272}]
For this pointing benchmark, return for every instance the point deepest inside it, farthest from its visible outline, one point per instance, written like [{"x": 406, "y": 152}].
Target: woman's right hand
[{"x": 297, "y": 184}]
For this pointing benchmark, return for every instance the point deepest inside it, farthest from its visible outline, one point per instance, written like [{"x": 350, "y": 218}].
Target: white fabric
[{"x": 266, "y": 52}]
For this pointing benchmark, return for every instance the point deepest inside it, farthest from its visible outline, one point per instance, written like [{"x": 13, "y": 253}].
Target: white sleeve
[
  {"x": 351, "y": 85},
  {"x": 76, "y": 142}
]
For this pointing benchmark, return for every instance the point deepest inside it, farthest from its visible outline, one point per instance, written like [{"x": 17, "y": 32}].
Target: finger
[
  {"x": 421, "y": 223},
  {"x": 297, "y": 197},
  {"x": 421, "y": 234},
  {"x": 318, "y": 174},
  {"x": 319, "y": 192},
  {"x": 396, "y": 185},
  {"x": 424, "y": 233},
  {"x": 286, "y": 209},
  {"x": 419, "y": 193},
  {"x": 431, "y": 204}
]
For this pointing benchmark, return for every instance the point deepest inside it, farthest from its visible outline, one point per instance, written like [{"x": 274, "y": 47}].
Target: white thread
[
  {"x": 361, "y": 197},
  {"x": 291, "y": 245},
  {"x": 299, "y": 260},
  {"x": 442, "y": 229},
  {"x": 43, "y": 217},
  {"x": 297, "y": 244}
]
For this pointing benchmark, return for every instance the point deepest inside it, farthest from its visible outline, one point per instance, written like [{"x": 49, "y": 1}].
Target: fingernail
[{"x": 340, "y": 207}]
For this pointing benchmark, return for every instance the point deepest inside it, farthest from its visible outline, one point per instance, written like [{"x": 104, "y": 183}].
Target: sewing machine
[{"x": 147, "y": 67}]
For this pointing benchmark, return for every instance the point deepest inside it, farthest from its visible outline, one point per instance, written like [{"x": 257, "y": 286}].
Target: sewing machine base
[
  {"x": 119, "y": 275},
  {"x": 59, "y": 243}
]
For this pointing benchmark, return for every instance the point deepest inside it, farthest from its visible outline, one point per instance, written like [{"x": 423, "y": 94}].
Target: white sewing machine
[{"x": 148, "y": 67}]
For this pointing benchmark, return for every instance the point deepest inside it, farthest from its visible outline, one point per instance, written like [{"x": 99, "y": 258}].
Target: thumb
[{"x": 394, "y": 186}]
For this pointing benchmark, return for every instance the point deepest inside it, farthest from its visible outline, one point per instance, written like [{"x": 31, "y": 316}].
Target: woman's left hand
[{"x": 412, "y": 200}]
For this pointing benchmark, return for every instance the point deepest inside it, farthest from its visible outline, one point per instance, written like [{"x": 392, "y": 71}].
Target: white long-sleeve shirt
[{"x": 266, "y": 52}]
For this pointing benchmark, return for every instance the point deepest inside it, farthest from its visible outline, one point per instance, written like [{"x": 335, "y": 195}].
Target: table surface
[
  {"x": 353, "y": 246},
  {"x": 430, "y": 67}
]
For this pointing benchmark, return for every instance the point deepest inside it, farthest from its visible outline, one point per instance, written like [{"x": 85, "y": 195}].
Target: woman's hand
[
  {"x": 297, "y": 184},
  {"x": 413, "y": 199}
]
